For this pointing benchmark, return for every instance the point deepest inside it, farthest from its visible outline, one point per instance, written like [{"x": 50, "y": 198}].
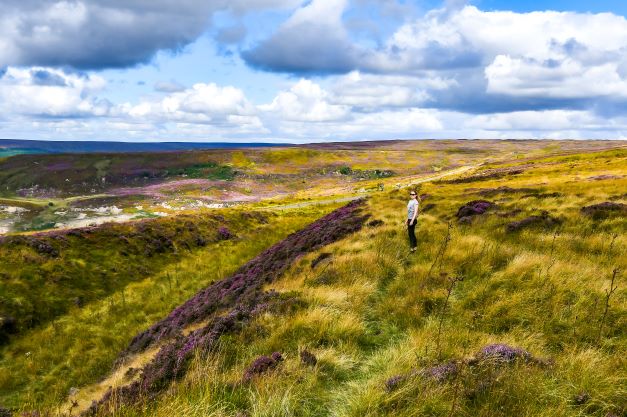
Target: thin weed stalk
[
  {"x": 608, "y": 294},
  {"x": 452, "y": 282}
]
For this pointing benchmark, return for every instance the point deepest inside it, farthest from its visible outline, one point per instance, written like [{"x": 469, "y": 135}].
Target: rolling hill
[{"x": 514, "y": 304}]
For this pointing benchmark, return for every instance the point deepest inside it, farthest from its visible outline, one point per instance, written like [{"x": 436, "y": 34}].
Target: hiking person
[{"x": 412, "y": 219}]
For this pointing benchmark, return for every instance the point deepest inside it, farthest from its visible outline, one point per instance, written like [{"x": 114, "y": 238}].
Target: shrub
[
  {"x": 224, "y": 233},
  {"x": 544, "y": 220},
  {"x": 474, "y": 208},
  {"x": 605, "y": 209},
  {"x": 308, "y": 358},
  {"x": 262, "y": 365}
]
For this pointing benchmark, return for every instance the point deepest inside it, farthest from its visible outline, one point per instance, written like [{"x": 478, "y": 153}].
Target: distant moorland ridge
[{"x": 43, "y": 146}]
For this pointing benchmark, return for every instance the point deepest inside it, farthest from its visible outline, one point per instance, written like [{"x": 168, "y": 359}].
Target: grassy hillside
[
  {"x": 46, "y": 274},
  {"x": 515, "y": 304},
  {"x": 120, "y": 294}
]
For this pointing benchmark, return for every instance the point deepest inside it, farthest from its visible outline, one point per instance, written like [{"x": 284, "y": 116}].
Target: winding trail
[{"x": 403, "y": 182}]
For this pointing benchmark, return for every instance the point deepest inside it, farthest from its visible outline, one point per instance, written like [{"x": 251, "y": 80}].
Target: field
[{"x": 304, "y": 299}]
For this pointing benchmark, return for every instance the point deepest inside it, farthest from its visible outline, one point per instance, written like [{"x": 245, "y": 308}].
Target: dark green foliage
[
  {"x": 345, "y": 170},
  {"x": 208, "y": 170}
]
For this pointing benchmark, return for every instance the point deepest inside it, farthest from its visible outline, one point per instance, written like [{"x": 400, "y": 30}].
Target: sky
[{"x": 302, "y": 71}]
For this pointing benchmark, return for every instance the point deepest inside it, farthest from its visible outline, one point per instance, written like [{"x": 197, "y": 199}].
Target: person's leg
[{"x": 411, "y": 230}]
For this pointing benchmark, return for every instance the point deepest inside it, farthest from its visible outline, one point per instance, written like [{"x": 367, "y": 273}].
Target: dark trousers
[{"x": 411, "y": 231}]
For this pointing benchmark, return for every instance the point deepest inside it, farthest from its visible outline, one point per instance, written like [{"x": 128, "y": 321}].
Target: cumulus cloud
[
  {"x": 308, "y": 111},
  {"x": 306, "y": 101},
  {"x": 312, "y": 40},
  {"x": 107, "y": 33},
  {"x": 49, "y": 92},
  {"x": 453, "y": 70},
  {"x": 202, "y": 104},
  {"x": 499, "y": 61},
  {"x": 535, "y": 120},
  {"x": 375, "y": 91}
]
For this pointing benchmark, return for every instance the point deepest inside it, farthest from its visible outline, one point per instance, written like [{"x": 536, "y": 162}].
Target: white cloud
[
  {"x": 567, "y": 78},
  {"x": 98, "y": 34},
  {"x": 545, "y": 54},
  {"x": 309, "y": 112},
  {"x": 374, "y": 91},
  {"x": 536, "y": 120},
  {"x": 203, "y": 104},
  {"x": 42, "y": 91},
  {"x": 305, "y": 101}
]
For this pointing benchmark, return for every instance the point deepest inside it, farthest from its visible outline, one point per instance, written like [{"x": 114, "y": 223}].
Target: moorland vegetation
[{"x": 515, "y": 304}]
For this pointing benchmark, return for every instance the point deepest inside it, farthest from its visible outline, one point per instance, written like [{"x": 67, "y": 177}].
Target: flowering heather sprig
[
  {"x": 441, "y": 373},
  {"x": 502, "y": 353},
  {"x": 241, "y": 293},
  {"x": 394, "y": 382},
  {"x": 490, "y": 355}
]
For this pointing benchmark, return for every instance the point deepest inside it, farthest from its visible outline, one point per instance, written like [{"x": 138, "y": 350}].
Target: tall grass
[
  {"x": 40, "y": 366},
  {"x": 373, "y": 311}
]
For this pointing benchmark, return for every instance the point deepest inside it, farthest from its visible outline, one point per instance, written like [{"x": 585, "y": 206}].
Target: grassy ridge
[
  {"x": 380, "y": 321},
  {"x": 40, "y": 366},
  {"x": 45, "y": 275}
]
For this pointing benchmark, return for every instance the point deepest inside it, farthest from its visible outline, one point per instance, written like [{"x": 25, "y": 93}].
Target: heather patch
[
  {"x": 375, "y": 223},
  {"x": 488, "y": 174},
  {"x": 8, "y": 326},
  {"x": 249, "y": 279},
  {"x": 427, "y": 207},
  {"x": 543, "y": 220},
  {"x": 224, "y": 233},
  {"x": 504, "y": 189},
  {"x": 320, "y": 258},
  {"x": 473, "y": 208},
  {"x": 604, "y": 210},
  {"x": 307, "y": 358},
  {"x": 487, "y": 359},
  {"x": 605, "y": 177},
  {"x": 262, "y": 365},
  {"x": 241, "y": 294},
  {"x": 542, "y": 196},
  {"x": 47, "y": 272}
]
